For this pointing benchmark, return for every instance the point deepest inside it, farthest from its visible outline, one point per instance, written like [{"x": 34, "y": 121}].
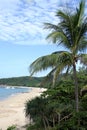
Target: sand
[{"x": 12, "y": 109}]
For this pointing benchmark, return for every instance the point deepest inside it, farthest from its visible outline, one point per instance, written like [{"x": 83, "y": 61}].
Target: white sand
[{"x": 12, "y": 109}]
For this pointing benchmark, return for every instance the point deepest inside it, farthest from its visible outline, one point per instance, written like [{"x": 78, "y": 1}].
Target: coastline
[
  {"x": 4, "y": 86},
  {"x": 12, "y": 109},
  {"x": 8, "y": 91}
]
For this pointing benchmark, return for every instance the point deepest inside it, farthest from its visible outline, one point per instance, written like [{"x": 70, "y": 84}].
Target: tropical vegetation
[
  {"x": 63, "y": 105},
  {"x": 54, "y": 109},
  {"x": 71, "y": 33}
]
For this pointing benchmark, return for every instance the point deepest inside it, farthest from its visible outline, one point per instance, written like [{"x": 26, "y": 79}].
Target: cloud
[{"x": 21, "y": 21}]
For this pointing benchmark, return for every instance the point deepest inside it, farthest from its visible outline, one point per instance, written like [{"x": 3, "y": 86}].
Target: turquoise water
[{"x": 5, "y": 92}]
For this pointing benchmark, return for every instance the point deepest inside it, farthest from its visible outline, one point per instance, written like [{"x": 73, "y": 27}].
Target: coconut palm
[{"x": 70, "y": 32}]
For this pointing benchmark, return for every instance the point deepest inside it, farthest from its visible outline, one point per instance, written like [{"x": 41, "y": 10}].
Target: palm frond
[
  {"x": 80, "y": 42},
  {"x": 51, "y": 26},
  {"x": 59, "y": 38},
  {"x": 71, "y": 30},
  {"x": 83, "y": 59},
  {"x": 82, "y": 45},
  {"x": 80, "y": 12},
  {"x": 65, "y": 62},
  {"x": 60, "y": 69},
  {"x": 50, "y": 61},
  {"x": 65, "y": 57},
  {"x": 43, "y": 63},
  {"x": 62, "y": 15}
]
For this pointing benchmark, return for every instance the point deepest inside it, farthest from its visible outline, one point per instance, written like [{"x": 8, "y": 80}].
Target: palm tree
[{"x": 71, "y": 33}]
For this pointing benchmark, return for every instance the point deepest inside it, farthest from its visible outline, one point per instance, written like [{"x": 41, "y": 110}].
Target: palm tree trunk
[
  {"x": 76, "y": 87},
  {"x": 44, "y": 124},
  {"x": 53, "y": 122},
  {"x": 59, "y": 118},
  {"x": 47, "y": 122}
]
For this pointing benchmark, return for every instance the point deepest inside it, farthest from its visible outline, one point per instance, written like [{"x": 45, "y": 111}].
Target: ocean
[{"x": 7, "y": 91}]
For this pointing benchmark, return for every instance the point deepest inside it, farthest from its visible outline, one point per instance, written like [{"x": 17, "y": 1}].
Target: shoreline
[
  {"x": 12, "y": 90},
  {"x": 12, "y": 108},
  {"x": 4, "y": 86}
]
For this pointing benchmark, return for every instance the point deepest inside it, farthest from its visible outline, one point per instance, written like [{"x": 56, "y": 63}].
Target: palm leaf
[
  {"x": 51, "y": 26},
  {"x": 57, "y": 61},
  {"x": 62, "y": 15},
  {"x": 80, "y": 12},
  {"x": 83, "y": 59},
  {"x": 43, "y": 63}
]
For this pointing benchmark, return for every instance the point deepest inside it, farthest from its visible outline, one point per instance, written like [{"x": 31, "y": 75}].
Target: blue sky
[{"x": 22, "y": 38}]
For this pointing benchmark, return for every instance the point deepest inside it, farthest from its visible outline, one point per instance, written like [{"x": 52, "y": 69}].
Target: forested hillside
[
  {"x": 22, "y": 81},
  {"x": 43, "y": 81}
]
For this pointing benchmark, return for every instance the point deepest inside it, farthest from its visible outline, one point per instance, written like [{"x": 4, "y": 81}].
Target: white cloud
[{"x": 21, "y": 21}]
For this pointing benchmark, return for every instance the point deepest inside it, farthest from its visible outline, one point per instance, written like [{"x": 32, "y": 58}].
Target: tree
[
  {"x": 35, "y": 108},
  {"x": 70, "y": 32}
]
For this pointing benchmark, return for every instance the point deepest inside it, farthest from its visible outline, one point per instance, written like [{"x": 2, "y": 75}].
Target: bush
[{"x": 13, "y": 127}]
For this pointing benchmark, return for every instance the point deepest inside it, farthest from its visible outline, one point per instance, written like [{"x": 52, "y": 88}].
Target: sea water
[{"x": 7, "y": 91}]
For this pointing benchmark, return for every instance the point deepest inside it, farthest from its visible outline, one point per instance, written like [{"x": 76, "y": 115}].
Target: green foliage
[
  {"x": 13, "y": 127},
  {"x": 35, "y": 127},
  {"x": 55, "y": 109},
  {"x": 62, "y": 107},
  {"x": 70, "y": 32},
  {"x": 22, "y": 81}
]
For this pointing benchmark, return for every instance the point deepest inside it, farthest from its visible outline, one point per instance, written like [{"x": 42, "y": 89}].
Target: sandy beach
[{"x": 12, "y": 109}]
